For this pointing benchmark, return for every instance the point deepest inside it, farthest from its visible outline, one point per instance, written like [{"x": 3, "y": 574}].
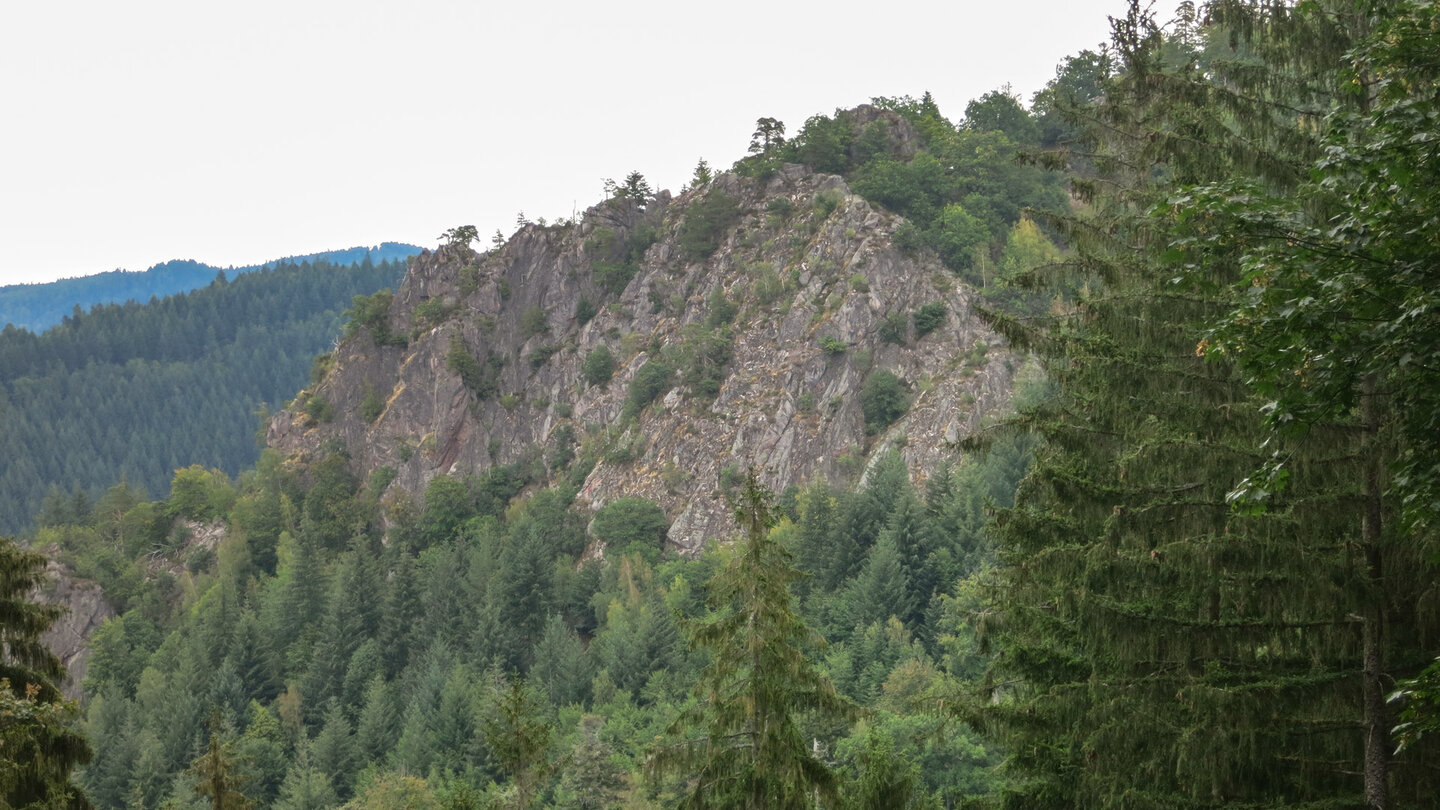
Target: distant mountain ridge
[{"x": 38, "y": 307}]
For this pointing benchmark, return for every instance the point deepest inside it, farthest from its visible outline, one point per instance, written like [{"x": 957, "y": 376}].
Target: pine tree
[{"x": 742, "y": 742}]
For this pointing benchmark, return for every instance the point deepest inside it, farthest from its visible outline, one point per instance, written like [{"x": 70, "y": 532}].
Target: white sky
[{"x": 232, "y": 133}]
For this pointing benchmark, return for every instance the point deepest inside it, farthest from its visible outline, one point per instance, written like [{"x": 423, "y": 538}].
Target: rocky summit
[{"x": 761, "y": 307}]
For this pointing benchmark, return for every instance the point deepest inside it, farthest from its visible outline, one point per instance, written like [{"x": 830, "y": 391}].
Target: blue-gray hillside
[
  {"x": 136, "y": 391},
  {"x": 38, "y": 307}
]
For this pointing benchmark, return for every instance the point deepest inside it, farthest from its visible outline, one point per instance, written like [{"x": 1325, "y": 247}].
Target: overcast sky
[{"x": 232, "y": 133}]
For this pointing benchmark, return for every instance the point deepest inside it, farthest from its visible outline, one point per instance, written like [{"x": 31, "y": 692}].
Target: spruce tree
[
  {"x": 742, "y": 741},
  {"x": 1161, "y": 648}
]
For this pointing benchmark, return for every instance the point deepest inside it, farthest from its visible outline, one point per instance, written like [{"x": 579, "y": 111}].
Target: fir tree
[
  {"x": 1161, "y": 648},
  {"x": 742, "y": 742}
]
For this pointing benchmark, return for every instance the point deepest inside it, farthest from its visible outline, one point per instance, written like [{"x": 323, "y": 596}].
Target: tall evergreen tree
[
  {"x": 1161, "y": 648},
  {"x": 742, "y": 740}
]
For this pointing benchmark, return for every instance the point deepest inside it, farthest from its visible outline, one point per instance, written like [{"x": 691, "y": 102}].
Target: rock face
[
  {"x": 822, "y": 298},
  {"x": 86, "y": 610}
]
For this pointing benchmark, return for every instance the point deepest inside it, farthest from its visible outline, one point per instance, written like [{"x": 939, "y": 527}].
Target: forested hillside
[
  {"x": 135, "y": 391},
  {"x": 517, "y": 624},
  {"x": 38, "y": 307},
  {"x": 1187, "y": 558}
]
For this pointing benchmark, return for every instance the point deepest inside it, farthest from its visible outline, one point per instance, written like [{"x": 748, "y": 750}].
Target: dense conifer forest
[
  {"x": 1197, "y": 568},
  {"x": 38, "y": 307},
  {"x": 134, "y": 391}
]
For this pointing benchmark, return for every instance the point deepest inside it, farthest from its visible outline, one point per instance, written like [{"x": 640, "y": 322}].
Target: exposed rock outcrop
[
  {"x": 86, "y": 610},
  {"x": 823, "y": 297}
]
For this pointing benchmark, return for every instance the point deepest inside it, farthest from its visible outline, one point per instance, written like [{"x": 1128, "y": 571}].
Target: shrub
[
  {"x": 372, "y": 405},
  {"x": 826, "y": 202},
  {"x": 584, "y": 311},
  {"x": 895, "y": 328},
  {"x": 704, "y": 354},
  {"x": 432, "y": 311},
  {"x": 372, "y": 313},
  {"x": 532, "y": 322},
  {"x": 832, "y": 345},
  {"x": 598, "y": 366},
  {"x": 929, "y": 317},
  {"x": 767, "y": 285},
  {"x": 319, "y": 410},
  {"x": 883, "y": 400},
  {"x": 719, "y": 309},
  {"x": 542, "y": 355},
  {"x": 730, "y": 479},
  {"x": 320, "y": 367},
  {"x": 704, "y": 225},
  {"x": 562, "y": 450},
  {"x": 614, "y": 277},
  {"x": 634, "y": 524},
  {"x": 483, "y": 379},
  {"x": 652, "y": 380}
]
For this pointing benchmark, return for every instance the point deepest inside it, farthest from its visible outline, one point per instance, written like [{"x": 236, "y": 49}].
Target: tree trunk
[{"x": 1377, "y": 739}]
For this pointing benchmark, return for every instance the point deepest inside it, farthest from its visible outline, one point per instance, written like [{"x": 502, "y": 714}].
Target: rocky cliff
[
  {"x": 760, "y": 306},
  {"x": 85, "y": 610}
]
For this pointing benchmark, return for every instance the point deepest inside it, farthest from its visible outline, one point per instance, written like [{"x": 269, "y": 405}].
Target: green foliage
[
  {"x": 598, "y": 366},
  {"x": 766, "y": 283},
  {"x": 833, "y": 346},
  {"x": 371, "y": 313},
  {"x": 372, "y": 404},
  {"x": 40, "y": 745},
  {"x": 483, "y": 379},
  {"x": 585, "y": 310},
  {"x": 614, "y": 277},
  {"x": 823, "y": 143},
  {"x": 318, "y": 409},
  {"x": 200, "y": 494},
  {"x": 883, "y": 400},
  {"x": 519, "y": 736},
  {"x": 826, "y": 202},
  {"x": 635, "y": 187},
  {"x": 632, "y": 525},
  {"x": 533, "y": 322},
  {"x": 650, "y": 381},
  {"x": 702, "y": 357},
  {"x": 895, "y": 328},
  {"x": 542, "y": 355},
  {"x": 175, "y": 382},
  {"x": 750, "y": 750},
  {"x": 705, "y": 224},
  {"x": 460, "y": 236},
  {"x": 1000, "y": 110},
  {"x": 1227, "y": 510},
  {"x": 929, "y": 317}
]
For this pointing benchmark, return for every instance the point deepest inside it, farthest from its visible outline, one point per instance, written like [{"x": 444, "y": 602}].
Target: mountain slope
[
  {"x": 136, "y": 391},
  {"x": 758, "y": 320},
  {"x": 38, "y": 307}
]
